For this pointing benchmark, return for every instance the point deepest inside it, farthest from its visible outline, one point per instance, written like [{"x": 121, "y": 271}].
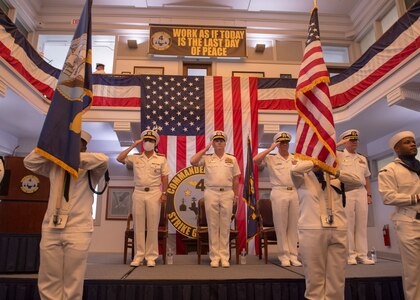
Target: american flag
[
  {"x": 315, "y": 132},
  {"x": 186, "y": 110}
]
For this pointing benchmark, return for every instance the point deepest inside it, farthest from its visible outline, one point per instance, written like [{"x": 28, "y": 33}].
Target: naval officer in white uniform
[
  {"x": 283, "y": 196},
  {"x": 151, "y": 172},
  {"x": 357, "y": 200},
  {"x": 222, "y": 187}
]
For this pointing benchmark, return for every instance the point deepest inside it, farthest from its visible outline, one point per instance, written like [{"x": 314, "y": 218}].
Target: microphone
[{"x": 14, "y": 150}]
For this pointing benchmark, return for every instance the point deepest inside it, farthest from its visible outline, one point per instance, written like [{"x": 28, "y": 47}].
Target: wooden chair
[
  {"x": 203, "y": 233},
  {"x": 129, "y": 238},
  {"x": 266, "y": 231},
  {"x": 162, "y": 234}
]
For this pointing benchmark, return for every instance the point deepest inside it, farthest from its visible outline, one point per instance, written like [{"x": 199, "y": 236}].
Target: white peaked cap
[
  {"x": 150, "y": 134},
  {"x": 398, "y": 137},
  {"x": 282, "y": 136},
  {"x": 85, "y": 136}
]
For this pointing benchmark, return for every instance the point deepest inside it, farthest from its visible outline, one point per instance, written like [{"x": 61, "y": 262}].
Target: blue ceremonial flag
[
  {"x": 249, "y": 195},
  {"x": 60, "y": 136}
]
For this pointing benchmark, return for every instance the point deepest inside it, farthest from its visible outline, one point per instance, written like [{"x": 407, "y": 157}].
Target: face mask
[{"x": 148, "y": 146}]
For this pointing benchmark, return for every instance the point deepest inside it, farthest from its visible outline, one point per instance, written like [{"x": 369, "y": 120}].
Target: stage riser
[{"x": 389, "y": 288}]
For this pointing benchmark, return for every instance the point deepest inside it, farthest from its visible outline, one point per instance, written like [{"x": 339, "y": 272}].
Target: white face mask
[{"x": 148, "y": 146}]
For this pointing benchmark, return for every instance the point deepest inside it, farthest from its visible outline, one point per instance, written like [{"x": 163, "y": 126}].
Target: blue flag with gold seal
[
  {"x": 60, "y": 136},
  {"x": 249, "y": 195}
]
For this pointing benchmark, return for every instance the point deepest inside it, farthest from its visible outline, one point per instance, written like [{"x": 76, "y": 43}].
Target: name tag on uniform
[{"x": 61, "y": 222}]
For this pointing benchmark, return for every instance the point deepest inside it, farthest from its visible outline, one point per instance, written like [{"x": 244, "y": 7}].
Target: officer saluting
[
  {"x": 283, "y": 197},
  {"x": 358, "y": 199},
  {"x": 151, "y": 172},
  {"x": 399, "y": 185},
  {"x": 222, "y": 183}
]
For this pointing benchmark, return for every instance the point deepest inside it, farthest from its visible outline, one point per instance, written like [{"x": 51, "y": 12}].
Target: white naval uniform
[
  {"x": 323, "y": 250},
  {"x": 396, "y": 185},
  {"x": 218, "y": 197},
  {"x": 63, "y": 252},
  {"x": 148, "y": 174},
  {"x": 285, "y": 204},
  {"x": 356, "y": 203}
]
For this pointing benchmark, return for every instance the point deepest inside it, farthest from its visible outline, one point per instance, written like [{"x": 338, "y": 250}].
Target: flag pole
[{"x": 330, "y": 217}]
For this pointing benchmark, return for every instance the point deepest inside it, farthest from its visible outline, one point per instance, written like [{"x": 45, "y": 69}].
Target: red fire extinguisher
[{"x": 385, "y": 232}]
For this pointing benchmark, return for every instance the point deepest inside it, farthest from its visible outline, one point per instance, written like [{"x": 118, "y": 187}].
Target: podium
[{"x": 23, "y": 202}]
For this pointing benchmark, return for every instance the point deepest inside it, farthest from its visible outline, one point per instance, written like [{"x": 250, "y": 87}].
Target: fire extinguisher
[{"x": 385, "y": 232}]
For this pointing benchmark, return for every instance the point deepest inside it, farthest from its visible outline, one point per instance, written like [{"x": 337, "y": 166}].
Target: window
[
  {"x": 336, "y": 54},
  {"x": 367, "y": 41},
  {"x": 194, "y": 69},
  {"x": 54, "y": 48},
  {"x": 389, "y": 19}
]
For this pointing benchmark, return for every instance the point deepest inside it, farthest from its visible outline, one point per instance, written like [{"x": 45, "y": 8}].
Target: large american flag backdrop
[{"x": 186, "y": 110}]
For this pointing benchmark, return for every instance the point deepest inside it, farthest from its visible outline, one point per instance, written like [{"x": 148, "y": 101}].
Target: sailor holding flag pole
[
  {"x": 322, "y": 221},
  {"x": 60, "y": 155}
]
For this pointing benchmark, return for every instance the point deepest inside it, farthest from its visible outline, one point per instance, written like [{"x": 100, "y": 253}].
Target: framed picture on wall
[
  {"x": 118, "y": 204},
  {"x": 149, "y": 70},
  {"x": 247, "y": 74}
]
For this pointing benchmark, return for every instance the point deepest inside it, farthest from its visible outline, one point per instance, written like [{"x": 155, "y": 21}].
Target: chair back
[
  {"x": 201, "y": 215},
  {"x": 266, "y": 212},
  {"x": 163, "y": 221},
  {"x": 129, "y": 219}
]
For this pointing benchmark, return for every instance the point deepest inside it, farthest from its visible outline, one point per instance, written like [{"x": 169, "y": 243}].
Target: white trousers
[
  {"x": 409, "y": 237},
  {"x": 324, "y": 255},
  {"x": 357, "y": 216},
  {"x": 285, "y": 205},
  {"x": 218, "y": 213},
  {"x": 146, "y": 208},
  {"x": 62, "y": 267}
]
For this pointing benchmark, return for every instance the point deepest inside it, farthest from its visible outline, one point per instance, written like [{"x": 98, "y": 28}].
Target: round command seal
[
  {"x": 29, "y": 184},
  {"x": 184, "y": 191},
  {"x": 161, "y": 41}
]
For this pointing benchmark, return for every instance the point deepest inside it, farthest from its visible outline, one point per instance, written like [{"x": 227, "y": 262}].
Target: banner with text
[{"x": 198, "y": 41}]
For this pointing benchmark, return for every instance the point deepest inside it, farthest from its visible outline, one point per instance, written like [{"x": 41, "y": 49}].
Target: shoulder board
[
  {"x": 361, "y": 154},
  {"x": 229, "y": 154},
  {"x": 160, "y": 154},
  {"x": 383, "y": 170}
]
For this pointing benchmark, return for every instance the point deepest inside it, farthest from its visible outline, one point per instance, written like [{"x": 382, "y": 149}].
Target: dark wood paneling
[{"x": 17, "y": 172}]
